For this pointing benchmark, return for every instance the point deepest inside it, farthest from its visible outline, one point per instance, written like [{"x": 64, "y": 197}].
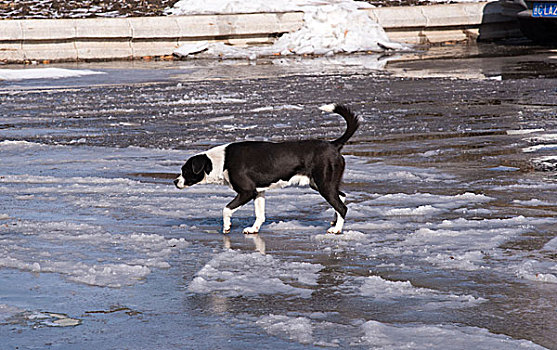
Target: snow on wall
[{"x": 330, "y": 26}]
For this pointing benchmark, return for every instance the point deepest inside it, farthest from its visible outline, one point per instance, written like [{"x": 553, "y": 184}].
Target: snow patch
[
  {"x": 538, "y": 148},
  {"x": 430, "y": 337},
  {"x": 208, "y": 99},
  {"x": 524, "y": 131},
  {"x": 393, "y": 291},
  {"x": 277, "y": 108},
  {"x": 298, "y": 329}
]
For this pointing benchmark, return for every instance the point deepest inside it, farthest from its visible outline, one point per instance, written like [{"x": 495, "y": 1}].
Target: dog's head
[{"x": 194, "y": 171}]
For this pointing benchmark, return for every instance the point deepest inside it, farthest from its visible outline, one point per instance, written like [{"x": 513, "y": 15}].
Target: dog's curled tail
[{"x": 352, "y": 122}]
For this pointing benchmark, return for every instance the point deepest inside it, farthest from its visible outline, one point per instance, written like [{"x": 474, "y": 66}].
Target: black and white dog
[{"x": 252, "y": 167}]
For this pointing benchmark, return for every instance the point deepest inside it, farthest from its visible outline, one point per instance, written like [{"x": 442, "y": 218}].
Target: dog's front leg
[
  {"x": 240, "y": 199},
  {"x": 259, "y": 204},
  {"x": 226, "y": 216}
]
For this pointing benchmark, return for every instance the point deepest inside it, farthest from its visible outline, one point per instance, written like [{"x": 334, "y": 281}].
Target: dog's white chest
[{"x": 217, "y": 176}]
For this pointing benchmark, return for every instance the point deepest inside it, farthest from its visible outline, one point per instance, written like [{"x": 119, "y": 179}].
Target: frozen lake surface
[{"x": 450, "y": 234}]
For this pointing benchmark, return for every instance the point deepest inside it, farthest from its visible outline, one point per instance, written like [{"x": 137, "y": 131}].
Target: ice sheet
[{"x": 76, "y": 213}]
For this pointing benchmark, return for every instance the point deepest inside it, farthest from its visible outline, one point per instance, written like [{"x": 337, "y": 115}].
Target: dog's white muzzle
[{"x": 180, "y": 182}]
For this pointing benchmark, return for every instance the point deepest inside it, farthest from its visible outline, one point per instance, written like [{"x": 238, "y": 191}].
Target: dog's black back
[{"x": 266, "y": 163}]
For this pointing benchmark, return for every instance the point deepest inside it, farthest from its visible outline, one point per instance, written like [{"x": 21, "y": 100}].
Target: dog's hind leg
[
  {"x": 340, "y": 213},
  {"x": 342, "y": 196},
  {"x": 333, "y": 196},
  {"x": 326, "y": 179},
  {"x": 259, "y": 203},
  {"x": 240, "y": 199}
]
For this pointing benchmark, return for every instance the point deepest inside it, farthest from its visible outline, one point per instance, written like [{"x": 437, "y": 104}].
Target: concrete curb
[{"x": 126, "y": 38}]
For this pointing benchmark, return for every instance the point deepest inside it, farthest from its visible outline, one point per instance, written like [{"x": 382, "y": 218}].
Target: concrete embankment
[{"x": 127, "y": 38}]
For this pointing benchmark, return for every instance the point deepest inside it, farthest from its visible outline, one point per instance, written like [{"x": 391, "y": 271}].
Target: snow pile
[
  {"x": 330, "y": 26},
  {"x": 207, "y": 99},
  {"x": 44, "y": 73},
  {"x": 233, "y": 273}
]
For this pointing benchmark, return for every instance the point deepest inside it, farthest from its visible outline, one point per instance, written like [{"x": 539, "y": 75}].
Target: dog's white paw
[
  {"x": 334, "y": 230},
  {"x": 226, "y": 230},
  {"x": 251, "y": 230}
]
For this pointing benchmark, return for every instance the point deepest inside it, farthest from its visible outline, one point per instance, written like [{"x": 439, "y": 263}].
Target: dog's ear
[
  {"x": 201, "y": 163},
  {"x": 208, "y": 166}
]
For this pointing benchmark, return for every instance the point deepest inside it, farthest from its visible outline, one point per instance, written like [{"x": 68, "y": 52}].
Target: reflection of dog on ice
[
  {"x": 257, "y": 240},
  {"x": 252, "y": 167}
]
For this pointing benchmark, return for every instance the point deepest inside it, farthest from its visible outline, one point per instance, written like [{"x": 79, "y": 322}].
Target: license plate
[{"x": 544, "y": 9}]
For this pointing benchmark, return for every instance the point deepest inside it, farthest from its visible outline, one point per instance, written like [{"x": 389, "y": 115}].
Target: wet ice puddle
[{"x": 76, "y": 212}]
